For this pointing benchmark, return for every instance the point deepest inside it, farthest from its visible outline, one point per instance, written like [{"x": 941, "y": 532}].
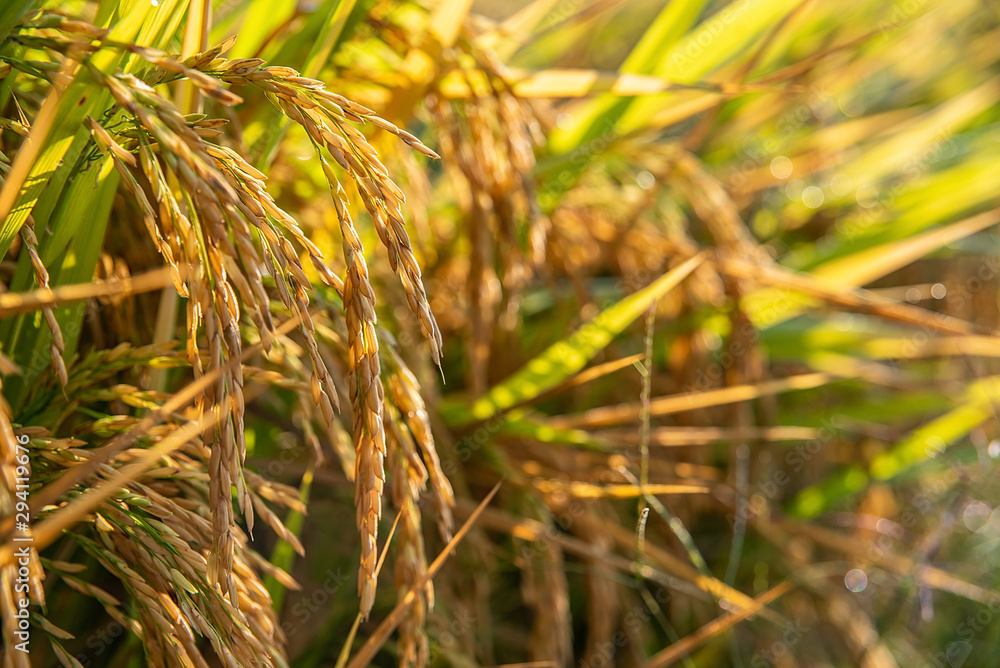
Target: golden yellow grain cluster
[
  {"x": 488, "y": 141},
  {"x": 156, "y": 535},
  {"x": 175, "y": 542},
  {"x": 413, "y": 462},
  {"x": 222, "y": 234}
]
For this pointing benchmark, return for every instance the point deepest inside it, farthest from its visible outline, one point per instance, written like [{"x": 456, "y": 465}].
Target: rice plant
[{"x": 468, "y": 333}]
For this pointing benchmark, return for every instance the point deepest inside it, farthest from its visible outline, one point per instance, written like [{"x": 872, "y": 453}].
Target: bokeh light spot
[
  {"x": 813, "y": 197},
  {"x": 781, "y": 167},
  {"x": 856, "y": 580},
  {"x": 976, "y": 515}
]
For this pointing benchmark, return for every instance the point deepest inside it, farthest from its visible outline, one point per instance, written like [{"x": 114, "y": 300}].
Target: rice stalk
[
  {"x": 408, "y": 479},
  {"x": 57, "y": 347},
  {"x": 487, "y": 141},
  {"x": 221, "y": 199},
  {"x": 157, "y": 537}
]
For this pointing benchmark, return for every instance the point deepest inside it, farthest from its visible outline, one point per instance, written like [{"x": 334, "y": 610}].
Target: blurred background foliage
[{"x": 716, "y": 285}]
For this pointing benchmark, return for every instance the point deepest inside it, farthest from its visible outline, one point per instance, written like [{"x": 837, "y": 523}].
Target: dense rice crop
[{"x": 553, "y": 333}]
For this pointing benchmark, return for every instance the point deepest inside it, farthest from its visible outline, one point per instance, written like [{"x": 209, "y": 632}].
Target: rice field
[{"x": 467, "y": 333}]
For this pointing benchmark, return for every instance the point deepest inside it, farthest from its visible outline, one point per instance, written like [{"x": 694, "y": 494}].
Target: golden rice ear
[
  {"x": 366, "y": 403},
  {"x": 411, "y": 559},
  {"x": 415, "y": 427},
  {"x": 231, "y": 249},
  {"x": 326, "y": 118},
  {"x": 487, "y": 141},
  {"x": 224, "y": 200}
]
